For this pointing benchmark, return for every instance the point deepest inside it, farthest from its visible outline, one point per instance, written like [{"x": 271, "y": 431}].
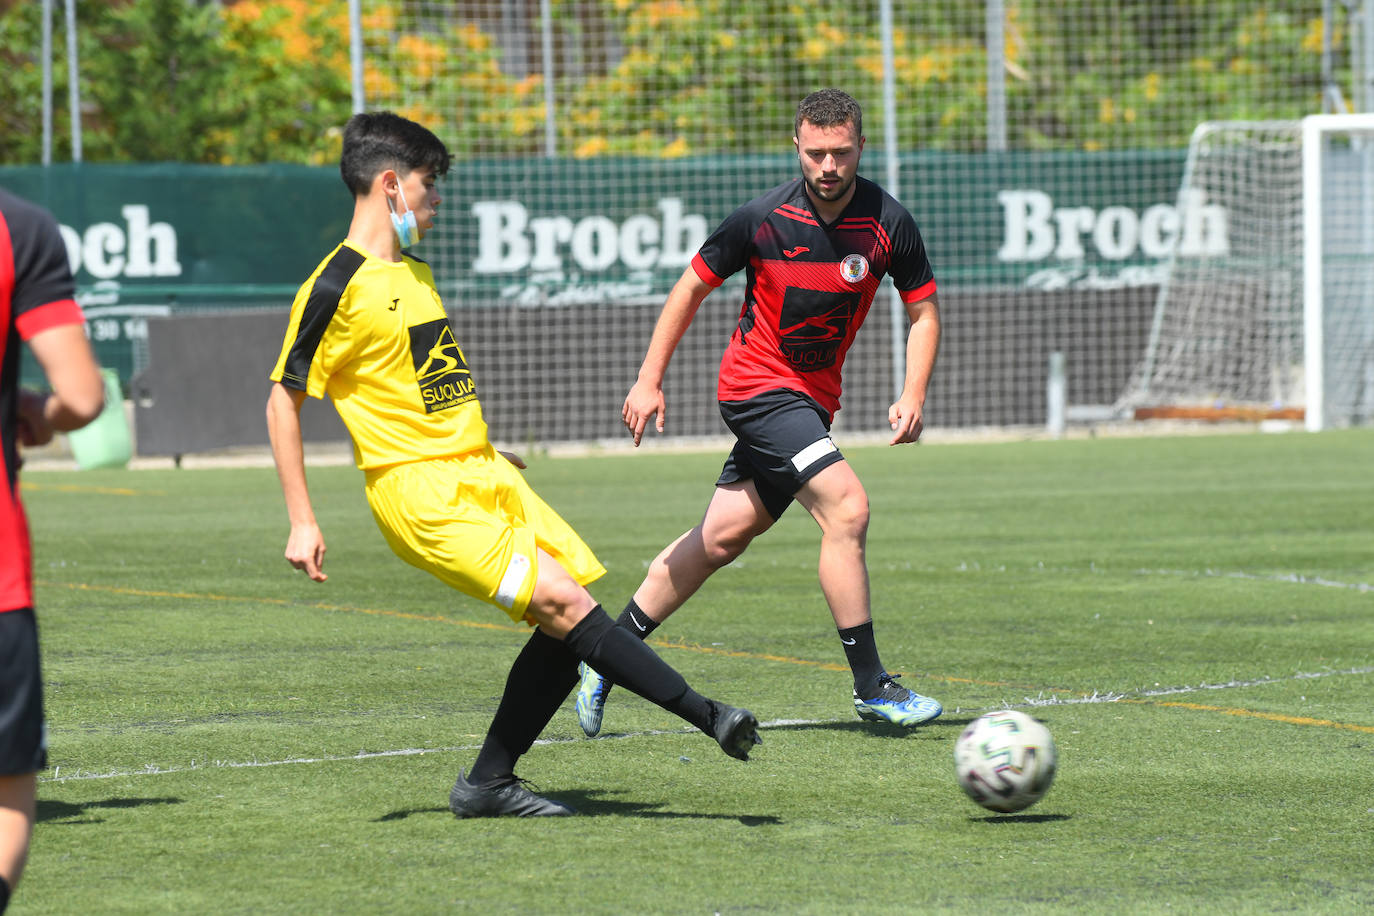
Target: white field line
[
  {"x": 1094, "y": 697},
  {"x": 153, "y": 769},
  {"x": 1293, "y": 578},
  {"x": 1111, "y": 697},
  {"x": 1094, "y": 569}
]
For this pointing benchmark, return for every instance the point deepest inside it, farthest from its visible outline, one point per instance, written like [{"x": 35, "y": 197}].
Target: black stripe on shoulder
[{"x": 324, "y": 299}]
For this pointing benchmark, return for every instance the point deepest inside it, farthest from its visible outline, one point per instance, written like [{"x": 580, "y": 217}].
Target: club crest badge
[{"x": 854, "y": 268}]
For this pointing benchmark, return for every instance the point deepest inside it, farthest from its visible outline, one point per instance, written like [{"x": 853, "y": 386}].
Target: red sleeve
[
  {"x": 924, "y": 291},
  {"x": 706, "y": 274},
  {"x": 50, "y": 315}
]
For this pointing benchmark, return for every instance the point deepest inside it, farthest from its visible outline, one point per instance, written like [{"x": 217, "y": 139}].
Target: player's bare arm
[
  {"x": 78, "y": 392},
  {"x": 922, "y": 344},
  {"x": 305, "y": 546},
  {"x": 646, "y": 399}
]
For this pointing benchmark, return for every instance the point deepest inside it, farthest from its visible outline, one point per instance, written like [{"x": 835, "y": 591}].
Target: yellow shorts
[{"x": 473, "y": 521}]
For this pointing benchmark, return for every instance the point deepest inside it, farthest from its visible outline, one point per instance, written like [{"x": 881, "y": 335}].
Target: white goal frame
[
  {"x": 1302, "y": 235},
  {"x": 1314, "y": 129}
]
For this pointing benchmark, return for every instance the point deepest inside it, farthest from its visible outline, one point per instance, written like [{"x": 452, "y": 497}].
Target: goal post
[
  {"x": 1276, "y": 319},
  {"x": 1338, "y": 268}
]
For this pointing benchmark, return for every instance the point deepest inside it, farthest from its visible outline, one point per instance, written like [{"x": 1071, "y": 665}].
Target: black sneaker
[
  {"x": 508, "y": 798},
  {"x": 735, "y": 730}
]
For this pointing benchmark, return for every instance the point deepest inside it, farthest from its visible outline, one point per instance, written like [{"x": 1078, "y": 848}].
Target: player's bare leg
[
  {"x": 734, "y": 517},
  {"x": 837, "y": 501},
  {"x": 17, "y": 810}
]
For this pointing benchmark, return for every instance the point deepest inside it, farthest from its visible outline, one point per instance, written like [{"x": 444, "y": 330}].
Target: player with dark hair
[
  {"x": 38, "y": 306},
  {"x": 369, "y": 330},
  {"x": 815, "y": 250}
]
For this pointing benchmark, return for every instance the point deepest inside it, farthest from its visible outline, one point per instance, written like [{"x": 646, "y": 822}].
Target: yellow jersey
[{"x": 373, "y": 335}]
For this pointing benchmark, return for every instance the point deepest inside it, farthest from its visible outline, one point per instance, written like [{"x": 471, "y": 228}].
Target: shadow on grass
[
  {"x": 1022, "y": 818},
  {"x": 68, "y": 813},
  {"x": 589, "y": 804},
  {"x": 940, "y": 728}
]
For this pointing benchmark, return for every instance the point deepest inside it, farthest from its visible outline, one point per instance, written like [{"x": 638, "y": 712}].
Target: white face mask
[{"x": 406, "y": 228}]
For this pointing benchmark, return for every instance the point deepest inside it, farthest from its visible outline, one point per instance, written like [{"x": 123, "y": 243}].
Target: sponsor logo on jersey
[
  {"x": 813, "y": 326},
  {"x": 440, "y": 369}
]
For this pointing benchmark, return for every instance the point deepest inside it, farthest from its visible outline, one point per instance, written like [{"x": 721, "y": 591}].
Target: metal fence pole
[
  {"x": 73, "y": 87},
  {"x": 893, "y": 188},
  {"x": 546, "y": 47},
  {"x": 1332, "y": 103},
  {"x": 997, "y": 77},
  {"x": 1367, "y": 77},
  {"x": 355, "y": 53},
  {"x": 47, "y": 82},
  {"x": 1056, "y": 386}
]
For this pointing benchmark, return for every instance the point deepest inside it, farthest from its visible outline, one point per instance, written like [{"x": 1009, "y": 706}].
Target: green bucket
[{"x": 105, "y": 442}]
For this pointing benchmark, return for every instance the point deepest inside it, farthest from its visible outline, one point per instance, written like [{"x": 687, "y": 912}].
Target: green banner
[
  {"x": 149, "y": 240},
  {"x": 154, "y": 239},
  {"x": 554, "y": 231}
]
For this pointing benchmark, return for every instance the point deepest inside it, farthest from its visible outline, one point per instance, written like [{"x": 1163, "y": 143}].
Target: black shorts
[
  {"x": 23, "y": 733},
  {"x": 784, "y": 441}
]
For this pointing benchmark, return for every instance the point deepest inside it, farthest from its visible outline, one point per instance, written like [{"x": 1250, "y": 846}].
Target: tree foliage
[
  {"x": 268, "y": 80},
  {"x": 169, "y": 80}
]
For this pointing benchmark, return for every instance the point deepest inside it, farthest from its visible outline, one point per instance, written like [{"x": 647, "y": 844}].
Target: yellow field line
[
  {"x": 831, "y": 666},
  {"x": 434, "y": 618},
  {"x": 321, "y": 606},
  {"x": 687, "y": 647},
  {"x": 83, "y": 488},
  {"x": 683, "y": 646},
  {"x": 1269, "y": 716}
]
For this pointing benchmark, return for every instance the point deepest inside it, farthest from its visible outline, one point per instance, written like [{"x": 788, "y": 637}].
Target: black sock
[
  {"x": 4, "y": 895},
  {"x": 862, "y": 653},
  {"x": 636, "y": 621},
  {"x": 627, "y": 661},
  {"x": 539, "y": 681}
]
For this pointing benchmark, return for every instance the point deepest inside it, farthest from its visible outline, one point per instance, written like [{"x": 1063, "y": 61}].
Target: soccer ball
[{"x": 1005, "y": 760}]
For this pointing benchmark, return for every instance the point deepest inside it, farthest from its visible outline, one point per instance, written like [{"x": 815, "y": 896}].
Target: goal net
[
  {"x": 1275, "y": 320},
  {"x": 1226, "y": 338}
]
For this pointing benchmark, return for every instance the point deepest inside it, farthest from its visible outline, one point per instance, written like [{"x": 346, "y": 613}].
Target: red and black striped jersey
[
  {"x": 809, "y": 285},
  {"x": 36, "y": 293}
]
